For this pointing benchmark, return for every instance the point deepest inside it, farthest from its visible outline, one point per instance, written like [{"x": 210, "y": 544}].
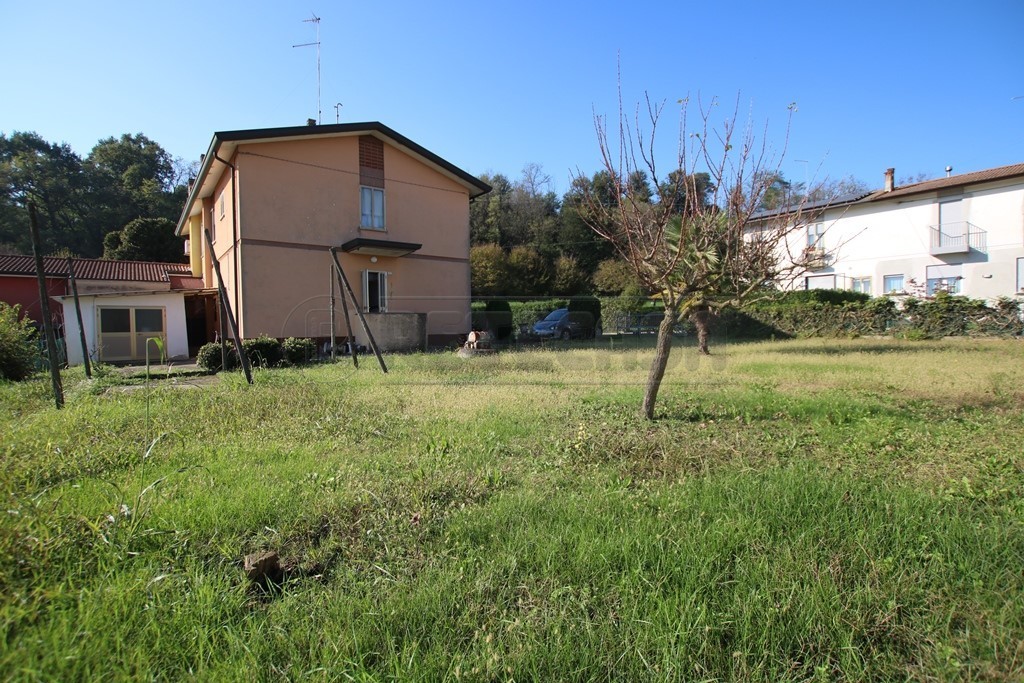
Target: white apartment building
[{"x": 963, "y": 234}]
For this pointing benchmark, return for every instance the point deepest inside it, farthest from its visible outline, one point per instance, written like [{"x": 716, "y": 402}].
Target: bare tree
[{"x": 719, "y": 248}]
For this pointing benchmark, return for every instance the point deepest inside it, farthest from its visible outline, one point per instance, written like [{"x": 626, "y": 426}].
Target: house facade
[
  {"x": 963, "y": 234},
  {"x": 123, "y": 304},
  {"x": 276, "y": 201}
]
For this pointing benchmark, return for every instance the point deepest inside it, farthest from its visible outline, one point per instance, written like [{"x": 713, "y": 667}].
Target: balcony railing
[
  {"x": 815, "y": 258},
  {"x": 957, "y": 238}
]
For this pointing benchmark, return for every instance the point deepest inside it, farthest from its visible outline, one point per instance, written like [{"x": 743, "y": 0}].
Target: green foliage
[
  {"x": 615, "y": 276},
  {"x": 831, "y": 313},
  {"x": 298, "y": 351},
  {"x": 498, "y": 314},
  {"x": 263, "y": 351},
  {"x": 145, "y": 239},
  {"x": 842, "y": 510},
  {"x": 529, "y": 273},
  {"x": 18, "y": 347},
  {"x": 80, "y": 201},
  {"x": 209, "y": 357},
  {"x": 488, "y": 267},
  {"x": 569, "y": 278},
  {"x": 587, "y": 309}
]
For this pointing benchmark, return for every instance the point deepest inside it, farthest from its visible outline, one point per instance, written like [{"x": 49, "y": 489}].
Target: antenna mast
[{"x": 315, "y": 20}]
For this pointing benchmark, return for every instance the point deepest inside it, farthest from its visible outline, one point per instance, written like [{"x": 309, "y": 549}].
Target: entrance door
[{"x": 124, "y": 332}]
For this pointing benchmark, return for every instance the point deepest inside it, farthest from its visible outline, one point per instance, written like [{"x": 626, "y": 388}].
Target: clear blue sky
[{"x": 493, "y": 86}]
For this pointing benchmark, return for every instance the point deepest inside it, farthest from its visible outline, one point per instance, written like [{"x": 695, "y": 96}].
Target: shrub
[
  {"x": 263, "y": 351},
  {"x": 18, "y": 348},
  {"x": 298, "y": 351},
  {"x": 499, "y": 319},
  {"x": 209, "y": 357}
]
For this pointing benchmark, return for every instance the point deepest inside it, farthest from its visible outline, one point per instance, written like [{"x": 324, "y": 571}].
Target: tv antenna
[
  {"x": 337, "y": 112},
  {"x": 315, "y": 20}
]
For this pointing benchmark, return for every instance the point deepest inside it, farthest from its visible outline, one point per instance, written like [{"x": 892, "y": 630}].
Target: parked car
[{"x": 562, "y": 323}]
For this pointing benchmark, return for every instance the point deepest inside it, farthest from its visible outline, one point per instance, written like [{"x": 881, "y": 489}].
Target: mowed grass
[{"x": 802, "y": 510}]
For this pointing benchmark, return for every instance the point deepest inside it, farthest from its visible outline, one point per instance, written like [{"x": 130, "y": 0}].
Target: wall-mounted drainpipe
[{"x": 234, "y": 233}]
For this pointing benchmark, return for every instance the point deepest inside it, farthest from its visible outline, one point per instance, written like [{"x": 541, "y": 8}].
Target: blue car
[{"x": 563, "y": 324}]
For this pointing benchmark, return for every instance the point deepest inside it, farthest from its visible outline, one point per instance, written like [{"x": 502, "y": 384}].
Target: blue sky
[{"x": 494, "y": 86}]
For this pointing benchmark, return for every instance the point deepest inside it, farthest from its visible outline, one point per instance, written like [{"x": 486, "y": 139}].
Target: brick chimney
[{"x": 890, "y": 182}]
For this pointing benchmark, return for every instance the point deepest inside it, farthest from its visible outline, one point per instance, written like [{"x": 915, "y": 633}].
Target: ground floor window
[
  {"x": 124, "y": 331},
  {"x": 820, "y": 282},
  {"x": 861, "y": 284},
  {"x": 892, "y": 284},
  {"x": 375, "y": 291},
  {"x": 944, "y": 278},
  {"x": 1020, "y": 275}
]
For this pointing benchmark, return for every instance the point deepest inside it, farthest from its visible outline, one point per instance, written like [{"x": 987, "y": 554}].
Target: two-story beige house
[{"x": 276, "y": 200}]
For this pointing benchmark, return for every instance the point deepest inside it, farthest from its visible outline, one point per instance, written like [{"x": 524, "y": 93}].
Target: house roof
[
  {"x": 962, "y": 180},
  {"x": 224, "y": 143},
  {"x": 94, "y": 269},
  {"x": 988, "y": 175}
]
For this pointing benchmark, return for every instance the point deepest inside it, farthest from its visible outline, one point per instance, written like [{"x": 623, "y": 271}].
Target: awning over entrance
[{"x": 370, "y": 247}]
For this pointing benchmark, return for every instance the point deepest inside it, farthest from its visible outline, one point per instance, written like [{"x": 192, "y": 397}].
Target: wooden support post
[
  {"x": 78, "y": 314},
  {"x": 334, "y": 337},
  {"x": 348, "y": 320},
  {"x": 226, "y": 311},
  {"x": 359, "y": 311},
  {"x": 44, "y": 302}
]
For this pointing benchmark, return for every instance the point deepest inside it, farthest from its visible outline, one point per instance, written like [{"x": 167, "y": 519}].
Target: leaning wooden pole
[
  {"x": 226, "y": 310},
  {"x": 78, "y": 314},
  {"x": 359, "y": 312},
  {"x": 334, "y": 336},
  {"x": 348, "y": 320},
  {"x": 44, "y": 303}
]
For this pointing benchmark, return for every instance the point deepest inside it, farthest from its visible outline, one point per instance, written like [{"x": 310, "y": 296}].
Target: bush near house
[
  {"x": 263, "y": 351},
  {"x": 832, "y": 313},
  {"x": 209, "y": 357},
  {"x": 298, "y": 351},
  {"x": 18, "y": 347}
]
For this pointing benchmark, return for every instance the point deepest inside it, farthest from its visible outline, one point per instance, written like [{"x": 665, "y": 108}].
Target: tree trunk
[
  {"x": 701, "y": 319},
  {"x": 662, "y": 348}
]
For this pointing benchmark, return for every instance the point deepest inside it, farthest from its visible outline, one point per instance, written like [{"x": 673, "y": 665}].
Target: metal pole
[
  {"x": 359, "y": 311},
  {"x": 44, "y": 302},
  {"x": 78, "y": 314},
  {"x": 243, "y": 359}
]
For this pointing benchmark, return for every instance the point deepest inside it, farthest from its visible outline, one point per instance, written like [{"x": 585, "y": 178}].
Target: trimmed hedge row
[{"x": 262, "y": 352}]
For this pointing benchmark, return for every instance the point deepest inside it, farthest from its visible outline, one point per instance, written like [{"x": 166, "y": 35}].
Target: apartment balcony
[
  {"x": 815, "y": 258},
  {"x": 957, "y": 238}
]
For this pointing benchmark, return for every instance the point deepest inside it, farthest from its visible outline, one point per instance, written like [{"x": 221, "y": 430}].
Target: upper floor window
[
  {"x": 371, "y": 203},
  {"x": 814, "y": 235}
]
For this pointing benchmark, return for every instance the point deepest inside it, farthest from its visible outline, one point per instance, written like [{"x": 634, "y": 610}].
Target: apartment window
[
  {"x": 861, "y": 284},
  {"x": 371, "y": 201},
  {"x": 944, "y": 278},
  {"x": 814, "y": 235},
  {"x": 375, "y": 291},
  {"x": 820, "y": 282},
  {"x": 1020, "y": 275},
  {"x": 892, "y": 284}
]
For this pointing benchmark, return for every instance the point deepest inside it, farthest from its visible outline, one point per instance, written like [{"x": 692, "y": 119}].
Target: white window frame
[
  {"x": 893, "y": 290},
  {"x": 815, "y": 232},
  {"x": 861, "y": 284},
  {"x": 947, "y": 277},
  {"x": 383, "y": 291},
  {"x": 374, "y": 219},
  {"x": 820, "y": 279}
]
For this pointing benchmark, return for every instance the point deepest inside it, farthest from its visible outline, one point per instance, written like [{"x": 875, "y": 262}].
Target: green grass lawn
[{"x": 803, "y": 510}]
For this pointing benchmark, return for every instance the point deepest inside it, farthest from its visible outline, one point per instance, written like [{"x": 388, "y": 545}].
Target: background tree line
[{"x": 120, "y": 201}]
